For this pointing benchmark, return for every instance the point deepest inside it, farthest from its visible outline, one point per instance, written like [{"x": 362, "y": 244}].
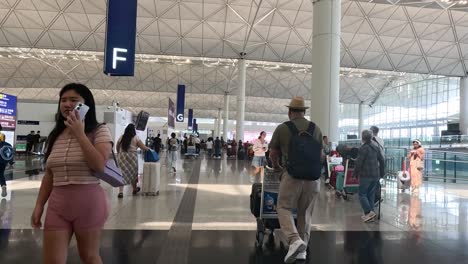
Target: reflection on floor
[{"x": 202, "y": 215}]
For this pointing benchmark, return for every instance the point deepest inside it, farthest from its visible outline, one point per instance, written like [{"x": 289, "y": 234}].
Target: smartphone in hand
[{"x": 82, "y": 110}]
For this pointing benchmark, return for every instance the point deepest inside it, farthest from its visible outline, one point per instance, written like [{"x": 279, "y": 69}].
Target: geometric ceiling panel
[
  {"x": 426, "y": 37},
  {"x": 36, "y": 74},
  {"x": 374, "y": 33}
]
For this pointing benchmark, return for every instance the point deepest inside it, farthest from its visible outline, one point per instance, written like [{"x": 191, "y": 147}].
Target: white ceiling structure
[{"x": 49, "y": 43}]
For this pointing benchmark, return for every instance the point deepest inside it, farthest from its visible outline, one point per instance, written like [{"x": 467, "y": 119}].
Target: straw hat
[{"x": 297, "y": 102}]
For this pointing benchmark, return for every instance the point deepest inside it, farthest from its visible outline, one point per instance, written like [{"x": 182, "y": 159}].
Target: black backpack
[{"x": 304, "y": 155}]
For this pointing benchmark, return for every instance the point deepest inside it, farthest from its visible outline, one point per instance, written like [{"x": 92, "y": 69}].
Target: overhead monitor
[{"x": 142, "y": 120}]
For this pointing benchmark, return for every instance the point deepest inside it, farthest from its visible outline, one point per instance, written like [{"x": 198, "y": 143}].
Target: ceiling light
[{"x": 462, "y": 2}]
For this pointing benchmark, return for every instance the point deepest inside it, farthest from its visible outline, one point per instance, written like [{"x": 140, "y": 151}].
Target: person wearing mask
[
  {"x": 157, "y": 143},
  {"x": 260, "y": 146},
  {"x": 300, "y": 182},
  {"x": 77, "y": 204},
  {"x": 369, "y": 168},
  {"x": 173, "y": 147},
  {"x": 30, "y": 142},
  {"x": 127, "y": 147},
  {"x": 416, "y": 158}
]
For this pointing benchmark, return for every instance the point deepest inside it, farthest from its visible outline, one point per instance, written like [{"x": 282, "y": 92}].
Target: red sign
[{"x": 8, "y": 121}]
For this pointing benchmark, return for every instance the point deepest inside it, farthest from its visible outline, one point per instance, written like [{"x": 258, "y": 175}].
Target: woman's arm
[
  {"x": 142, "y": 146},
  {"x": 95, "y": 155},
  {"x": 420, "y": 152},
  {"x": 45, "y": 189}
]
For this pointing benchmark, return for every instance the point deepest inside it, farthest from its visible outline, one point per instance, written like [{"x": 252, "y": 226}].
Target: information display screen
[{"x": 8, "y": 111}]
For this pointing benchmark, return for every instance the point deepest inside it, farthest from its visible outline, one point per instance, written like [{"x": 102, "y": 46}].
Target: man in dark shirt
[
  {"x": 29, "y": 142},
  {"x": 157, "y": 143}
]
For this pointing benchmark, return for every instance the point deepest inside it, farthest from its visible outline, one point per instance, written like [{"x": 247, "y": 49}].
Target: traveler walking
[
  {"x": 299, "y": 144},
  {"x": 209, "y": 147},
  {"x": 77, "y": 204},
  {"x": 127, "y": 147},
  {"x": 173, "y": 147},
  {"x": 30, "y": 142},
  {"x": 157, "y": 143},
  {"x": 416, "y": 158},
  {"x": 326, "y": 152},
  {"x": 260, "y": 146},
  {"x": 5, "y": 159},
  {"x": 217, "y": 148},
  {"x": 369, "y": 168},
  {"x": 377, "y": 140}
]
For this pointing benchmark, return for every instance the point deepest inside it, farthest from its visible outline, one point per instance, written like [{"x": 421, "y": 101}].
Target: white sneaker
[
  {"x": 369, "y": 217},
  {"x": 302, "y": 256},
  {"x": 4, "y": 191},
  {"x": 294, "y": 249}
]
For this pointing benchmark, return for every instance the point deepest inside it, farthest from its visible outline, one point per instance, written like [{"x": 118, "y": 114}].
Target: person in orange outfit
[{"x": 416, "y": 158}]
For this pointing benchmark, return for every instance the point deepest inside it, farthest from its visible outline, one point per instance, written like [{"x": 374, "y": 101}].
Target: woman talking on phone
[{"x": 77, "y": 147}]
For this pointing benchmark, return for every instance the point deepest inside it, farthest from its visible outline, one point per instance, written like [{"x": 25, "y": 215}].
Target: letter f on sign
[{"x": 116, "y": 58}]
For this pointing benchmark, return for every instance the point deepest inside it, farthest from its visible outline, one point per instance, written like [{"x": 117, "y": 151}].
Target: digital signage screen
[{"x": 8, "y": 111}]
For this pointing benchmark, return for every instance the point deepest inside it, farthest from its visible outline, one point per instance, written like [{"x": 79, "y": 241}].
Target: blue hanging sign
[
  {"x": 195, "y": 125},
  {"x": 119, "y": 54},
  {"x": 190, "y": 118},
  {"x": 8, "y": 111},
  {"x": 180, "y": 103}
]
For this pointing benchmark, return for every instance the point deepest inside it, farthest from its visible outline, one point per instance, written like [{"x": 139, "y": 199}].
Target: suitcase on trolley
[{"x": 151, "y": 178}]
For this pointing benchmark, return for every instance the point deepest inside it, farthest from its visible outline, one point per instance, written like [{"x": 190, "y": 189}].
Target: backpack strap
[
  {"x": 294, "y": 130},
  {"x": 311, "y": 128},
  {"x": 292, "y": 127}
]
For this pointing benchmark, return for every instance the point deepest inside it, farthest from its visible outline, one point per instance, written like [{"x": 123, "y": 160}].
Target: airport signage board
[
  {"x": 180, "y": 103},
  {"x": 171, "y": 114},
  {"x": 8, "y": 111},
  {"x": 119, "y": 54},
  {"x": 190, "y": 119}
]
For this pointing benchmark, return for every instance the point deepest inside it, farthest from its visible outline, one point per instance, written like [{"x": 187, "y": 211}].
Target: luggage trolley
[
  {"x": 346, "y": 183},
  {"x": 268, "y": 218}
]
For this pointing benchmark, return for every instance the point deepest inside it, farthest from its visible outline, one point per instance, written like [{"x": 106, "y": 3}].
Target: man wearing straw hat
[{"x": 298, "y": 143}]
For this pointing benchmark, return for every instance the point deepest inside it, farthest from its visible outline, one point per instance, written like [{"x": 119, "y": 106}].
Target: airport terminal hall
[{"x": 233, "y": 131}]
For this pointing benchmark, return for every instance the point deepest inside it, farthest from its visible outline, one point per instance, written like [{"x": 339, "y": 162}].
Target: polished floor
[{"x": 202, "y": 215}]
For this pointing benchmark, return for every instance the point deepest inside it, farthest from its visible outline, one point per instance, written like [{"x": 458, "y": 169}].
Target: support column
[
  {"x": 326, "y": 67},
  {"x": 361, "y": 120},
  {"x": 241, "y": 101},
  {"x": 219, "y": 123},
  {"x": 464, "y": 105},
  {"x": 226, "y": 115}
]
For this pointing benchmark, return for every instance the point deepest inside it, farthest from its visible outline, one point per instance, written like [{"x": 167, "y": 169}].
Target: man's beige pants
[{"x": 300, "y": 194}]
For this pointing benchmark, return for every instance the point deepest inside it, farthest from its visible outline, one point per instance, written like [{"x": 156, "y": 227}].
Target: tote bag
[{"x": 112, "y": 173}]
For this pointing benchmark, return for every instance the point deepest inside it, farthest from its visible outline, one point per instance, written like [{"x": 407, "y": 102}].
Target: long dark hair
[
  {"x": 127, "y": 137},
  {"x": 90, "y": 121},
  {"x": 259, "y": 137}
]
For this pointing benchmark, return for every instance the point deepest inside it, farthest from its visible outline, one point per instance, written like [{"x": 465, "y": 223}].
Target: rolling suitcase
[{"x": 151, "y": 178}]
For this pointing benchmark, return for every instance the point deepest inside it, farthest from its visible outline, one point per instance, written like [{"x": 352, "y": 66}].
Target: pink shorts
[{"x": 76, "y": 208}]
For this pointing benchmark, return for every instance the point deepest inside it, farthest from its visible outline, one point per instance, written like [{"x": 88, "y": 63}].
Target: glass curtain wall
[{"x": 420, "y": 108}]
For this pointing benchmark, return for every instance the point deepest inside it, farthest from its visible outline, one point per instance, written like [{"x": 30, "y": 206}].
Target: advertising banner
[
  {"x": 8, "y": 111},
  {"x": 190, "y": 119},
  {"x": 180, "y": 103},
  {"x": 119, "y": 54},
  {"x": 171, "y": 114}
]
